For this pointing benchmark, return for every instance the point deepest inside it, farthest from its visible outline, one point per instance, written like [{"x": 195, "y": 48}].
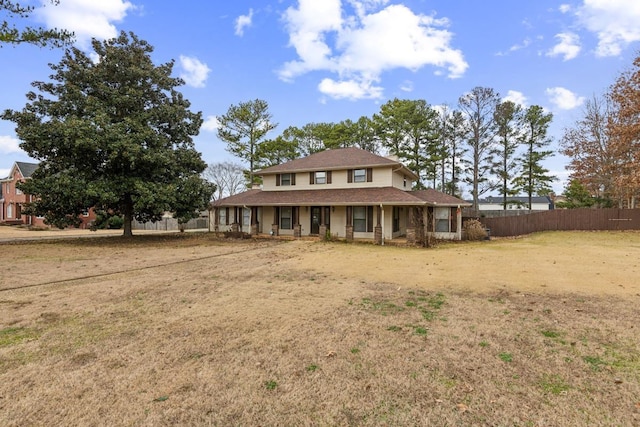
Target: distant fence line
[
  {"x": 170, "y": 224},
  {"x": 472, "y": 213},
  {"x": 564, "y": 219}
]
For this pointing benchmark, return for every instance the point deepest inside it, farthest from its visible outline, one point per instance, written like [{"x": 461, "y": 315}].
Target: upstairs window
[
  {"x": 320, "y": 177},
  {"x": 360, "y": 175},
  {"x": 286, "y": 179}
]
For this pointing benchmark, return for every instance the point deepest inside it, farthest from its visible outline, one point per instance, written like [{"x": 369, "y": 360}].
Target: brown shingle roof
[
  {"x": 337, "y": 158},
  {"x": 340, "y": 197},
  {"x": 27, "y": 169}
]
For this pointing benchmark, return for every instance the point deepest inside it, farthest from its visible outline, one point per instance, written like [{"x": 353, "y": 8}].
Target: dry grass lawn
[{"x": 191, "y": 330}]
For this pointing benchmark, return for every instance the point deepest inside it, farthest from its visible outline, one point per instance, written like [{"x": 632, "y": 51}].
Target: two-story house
[
  {"x": 345, "y": 193},
  {"x": 12, "y": 199}
]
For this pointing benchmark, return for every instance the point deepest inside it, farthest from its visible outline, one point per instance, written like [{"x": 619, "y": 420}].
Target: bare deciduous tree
[
  {"x": 228, "y": 177},
  {"x": 588, "y": 144}
]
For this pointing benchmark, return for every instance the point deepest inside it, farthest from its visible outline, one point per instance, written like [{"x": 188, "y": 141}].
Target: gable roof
[
  {"x": 26, "y": 169},
  {"x": 341, "y": 197},
  {"x": 337, "y": 158}
]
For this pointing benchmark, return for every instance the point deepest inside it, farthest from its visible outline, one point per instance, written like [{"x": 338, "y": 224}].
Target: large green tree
[
  {"x": 452, "y": 134},
  {"x": 244, "y": 127},
  {"x": 115, "y": 135},
  {"x": 478, "y": 107},
  {"x": 12, "y": 34},
  {"x": 508, "y": 118},
  {"x": 410, "y": 130},
  {"x": 534, "y": 178},
  {"x": 279, "y": 150},
  {"x": 348, "y": 133},
  {"x": 314, "y": 137}
]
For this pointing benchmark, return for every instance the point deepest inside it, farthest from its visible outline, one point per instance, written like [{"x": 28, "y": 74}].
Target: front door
[{"x": 315, "y": 219}]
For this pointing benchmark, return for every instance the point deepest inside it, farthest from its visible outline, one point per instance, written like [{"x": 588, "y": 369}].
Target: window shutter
[
  {"x": 328, "y": 177},
  {"x": 369, "y": 218},
  {"x": 278, "y": 180},
  {"x": 350, "y": 175},
  {"x": 311, "y": 176},
  {"x": 293, "y": 179},
  {"x": 369, "y": 174}
]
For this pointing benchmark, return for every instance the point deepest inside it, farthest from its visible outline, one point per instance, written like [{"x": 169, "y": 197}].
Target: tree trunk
[{"x": 127, "y": 212}]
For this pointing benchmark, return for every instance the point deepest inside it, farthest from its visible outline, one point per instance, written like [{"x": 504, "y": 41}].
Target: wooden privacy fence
[
  {"x": 564, "y": 219},
  {"x": 171, "y": 224}
]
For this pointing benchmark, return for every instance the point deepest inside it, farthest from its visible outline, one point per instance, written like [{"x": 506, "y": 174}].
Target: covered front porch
[{"x": 378, "y": 223}]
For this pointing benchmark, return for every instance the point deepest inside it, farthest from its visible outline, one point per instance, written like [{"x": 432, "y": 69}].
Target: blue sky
[{"x": 331, "y": 60}]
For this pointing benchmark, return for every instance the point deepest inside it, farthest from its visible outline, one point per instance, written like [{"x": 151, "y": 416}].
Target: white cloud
[
  {"x": 375, "y": 39},
  {"x": 516, "y": 97},
  {"x": 563, "y": 98},
  {"x": 568, "y": 47},
  {"x": 9, "y": 144},
  {"x": 525, "y": 43},
  {"x": 211, "y": 124},
  {"x": 406, "y": 86},
  {"x": 4, "y": 173},
  {"x": 194, "y": 72},
  {"x": 564, "y": 8},
  {"x": 615, "y": 22},
  {"x": 243, "y": 21},
  {"x": 349, "y": 89},
  {"x": 86, "y": 18}
]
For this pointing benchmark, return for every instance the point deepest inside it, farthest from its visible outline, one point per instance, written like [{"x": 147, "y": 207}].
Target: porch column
[
  {"x": 420, "y": 225},
  {"x": 235, "y": 225},
  {"x": 411, "y": 225},
  {"x": 322, "y": 229},
  {"x": 349, "y": 227},
  {"x": 255, "y": 224},
  {"x": 458, "y": 223},
  {"x": 297, "y": 227},
  {"x": 275, "y": 225},
  {"x": 377, "y": 231}
]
